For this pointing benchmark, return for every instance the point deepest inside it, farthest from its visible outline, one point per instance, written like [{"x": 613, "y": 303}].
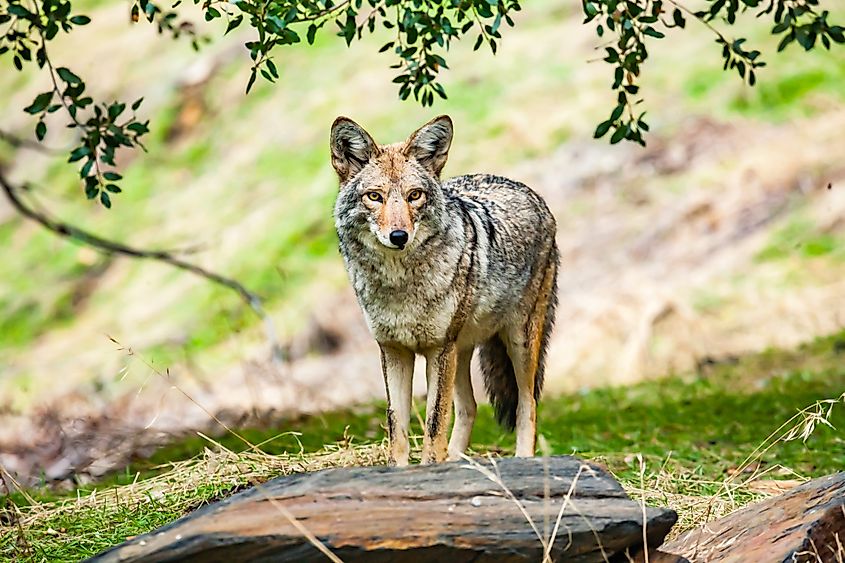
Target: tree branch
[
  {"x": 20, "y": 143},
  {"x": 110, "y": 247}
]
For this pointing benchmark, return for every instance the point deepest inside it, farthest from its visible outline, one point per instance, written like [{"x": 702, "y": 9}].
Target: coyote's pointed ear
[
  {"x": 430, "y": 144},
  {"x": 352, "y": 148}
]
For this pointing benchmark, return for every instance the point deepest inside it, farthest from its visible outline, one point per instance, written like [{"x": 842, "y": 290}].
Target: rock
[
  {"x": 447, "y": 512},
  {"x": 805, "y": 524}
]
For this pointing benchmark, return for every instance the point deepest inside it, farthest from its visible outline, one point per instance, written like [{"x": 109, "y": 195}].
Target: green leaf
[
  {"x": 233, "y": 23},
  {"x": 112, "y": 176},
  {"x": 113, "y": 189},
  {"x": 18, "y": 10},
  {"x": 115, "y": 110},
  {"x": 86, "y": 168},
  {"x": 272, "y": 68},
  {"x": 80, "y": 20},
  {"x": 617, "y": 112},
  {"x": 138, "y": 128},
  {"x": 79, "y": 153},
  {"x": 40, "y": 130},
  {"x": 40, "y": 103},
  {"x": 68, "y": 76},
  {"x": 618, "y": 135},
  {"x": 602, "y": 129},
  {"x": 137, "y": 104},
  {"x": 251, "y": 80},
  {"x": 105, "y": 200}
]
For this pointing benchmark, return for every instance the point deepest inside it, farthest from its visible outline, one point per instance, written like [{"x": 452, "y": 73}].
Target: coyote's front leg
[
  {"x": 397, "y": 365},
  {"x": 441, "y": 364}
]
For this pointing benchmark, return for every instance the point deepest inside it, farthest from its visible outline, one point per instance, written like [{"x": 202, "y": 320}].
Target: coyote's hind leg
[{"x": 526, "y": 347}]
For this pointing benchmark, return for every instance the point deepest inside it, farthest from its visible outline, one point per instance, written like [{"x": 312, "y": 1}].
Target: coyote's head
[{"x": 390, "y": 194}]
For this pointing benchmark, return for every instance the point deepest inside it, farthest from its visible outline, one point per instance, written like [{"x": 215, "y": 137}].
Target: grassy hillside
[{"x": 710, "y": 442}]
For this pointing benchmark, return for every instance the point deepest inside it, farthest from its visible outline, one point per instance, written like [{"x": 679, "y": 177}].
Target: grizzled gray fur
[{"x": 443, "y": 268}]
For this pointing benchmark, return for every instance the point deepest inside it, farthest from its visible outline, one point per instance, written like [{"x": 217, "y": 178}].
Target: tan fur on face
[
  {"x": 394, "y": 180},
  {"x": 392, "y": 161},
  {"x": 395, "y": 214}
]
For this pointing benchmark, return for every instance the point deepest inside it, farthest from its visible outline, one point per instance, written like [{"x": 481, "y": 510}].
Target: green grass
[
  {"x": 697, "y": 428},
  {"x": 792, "y": 91},
  {"x": 795, "y": 83},
  {"x": 801, "y": 238}
]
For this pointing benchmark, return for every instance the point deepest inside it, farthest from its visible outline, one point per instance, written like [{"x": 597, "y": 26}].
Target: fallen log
[
  {"x": 806, "y": 523},
  {"x": 502, "y": 510}
]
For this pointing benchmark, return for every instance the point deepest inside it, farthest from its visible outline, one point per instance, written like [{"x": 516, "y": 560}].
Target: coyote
[{"x": 443, "y": 268}]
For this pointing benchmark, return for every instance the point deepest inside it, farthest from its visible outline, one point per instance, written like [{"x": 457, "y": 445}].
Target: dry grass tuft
[
  {"x": 745, "y": 484},
  {"x": 218, "y": 469}
]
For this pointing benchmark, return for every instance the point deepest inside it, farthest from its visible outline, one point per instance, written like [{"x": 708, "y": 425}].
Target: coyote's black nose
[{"x": 399, "y": 238}]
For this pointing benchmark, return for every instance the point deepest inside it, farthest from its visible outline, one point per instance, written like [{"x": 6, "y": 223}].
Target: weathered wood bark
[
  {"x": 804, "y": 524},
  {"x": 447, "y": 512}
]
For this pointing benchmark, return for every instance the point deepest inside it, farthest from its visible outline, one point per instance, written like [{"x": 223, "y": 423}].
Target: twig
[
  {"x": 547, "y": 556},
  {"x": 166, "y": 377},
  {"x": 497, "y": 479},
  {"x": 19, "y": 143},
  {"x": 300, "y": 527},
  {"x": 642, "y": 505},
  {"x": 322, "y": 13},
  {"x": 110, "y": 247},
  {"x": 699, "y": 18}
]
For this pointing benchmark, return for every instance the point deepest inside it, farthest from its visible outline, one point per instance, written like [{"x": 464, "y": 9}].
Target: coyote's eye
[
  {"x": 415, "y": 195},
  {"x": 373, "y": 196}
]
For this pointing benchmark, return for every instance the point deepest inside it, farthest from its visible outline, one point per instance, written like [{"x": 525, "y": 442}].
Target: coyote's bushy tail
[
  {"x": 499, "y": 380},
  {"x": 497, "y": 368}
]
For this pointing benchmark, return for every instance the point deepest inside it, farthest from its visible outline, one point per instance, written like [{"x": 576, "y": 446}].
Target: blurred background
[{"x": 725, "y": 235}]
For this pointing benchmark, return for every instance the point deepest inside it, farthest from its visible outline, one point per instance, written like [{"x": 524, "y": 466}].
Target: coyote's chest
[
  {"x": 414, "y": 315},
  {"x": 409, "y": 322},
  {"x": 410, "y": 305},
  {"x": 422, "y": 311}
]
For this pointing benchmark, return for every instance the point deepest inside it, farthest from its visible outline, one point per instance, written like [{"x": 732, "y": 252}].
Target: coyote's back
[
  {"x": 517, "y": 241},
  {"x": 441, "y": 269}
]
